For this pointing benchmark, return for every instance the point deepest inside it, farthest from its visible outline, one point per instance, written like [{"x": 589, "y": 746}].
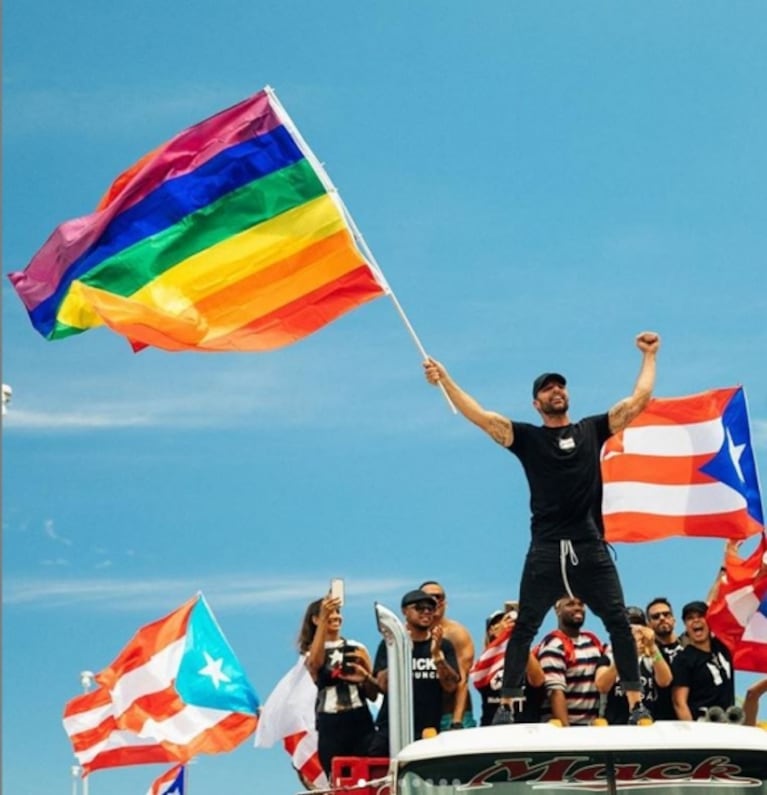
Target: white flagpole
[
  {"x": 338, "y": 201},
  {"x": 86, "y": 680},
  {"x": 75, "y": 771}
]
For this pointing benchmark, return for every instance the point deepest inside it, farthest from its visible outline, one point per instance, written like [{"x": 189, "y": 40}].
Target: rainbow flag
[{"x": 230, "y": 236}]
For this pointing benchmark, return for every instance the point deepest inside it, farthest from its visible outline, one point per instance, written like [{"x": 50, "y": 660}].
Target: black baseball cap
[
  {"x": 413, "y": 597},
  {"x": 545, "y": 378},
  {"x": 694, "y": 607}
]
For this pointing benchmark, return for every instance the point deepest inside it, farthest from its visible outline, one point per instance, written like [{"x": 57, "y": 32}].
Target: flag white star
[
  {"x": 213, "y": 670},
  {"x": 736, "y": 451}
]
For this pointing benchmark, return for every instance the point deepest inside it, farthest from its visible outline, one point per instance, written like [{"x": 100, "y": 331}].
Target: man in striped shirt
[{"x": 569, "y": 657}]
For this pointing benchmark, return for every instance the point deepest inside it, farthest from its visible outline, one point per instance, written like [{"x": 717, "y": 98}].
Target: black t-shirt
[
  {"x": 709, "y": 676},
  {"x": 427, "y": 691},
  {"x": 616, "y": 708},
  {"x": 562, "y": 469},
  {"x": 528, "y": 711},
  {"x": 664, "y": 706}
]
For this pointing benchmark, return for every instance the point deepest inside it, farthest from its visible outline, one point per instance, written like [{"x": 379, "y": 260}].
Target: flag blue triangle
[
  {"x": 210, "y": 675},
  {"x": 734, "y": 464}
]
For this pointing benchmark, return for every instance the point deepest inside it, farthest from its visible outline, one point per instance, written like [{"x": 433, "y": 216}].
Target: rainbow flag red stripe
[{"x": 228, "y": 237}]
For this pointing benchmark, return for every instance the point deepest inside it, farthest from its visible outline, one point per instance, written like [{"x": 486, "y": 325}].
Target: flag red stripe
[
  {"x": 133, "y": 755},
  {"x": 82, "y": 741},
  {"x": 685, "y": 410},
  {"x": 147, "y": 642},
  {"x": 87, "y": 701},
  {"x": 310, "y": 768},
  {"x": 666, "y": 470},
  {"x": 225, "y": 736},
  {"x": 636, "y": 527},
  {"x": 158, "y": 706}
]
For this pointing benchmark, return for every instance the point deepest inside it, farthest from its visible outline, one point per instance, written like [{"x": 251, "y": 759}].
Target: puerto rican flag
[
  {"x": 288, "y": 717},
  {"x": 175, "y": 691},
  {"x": 684, "y": 467},
  {"x": 169, "y": 783},
  {"x": 490, "y": 662},
  {"x": 738, "y": 613}
]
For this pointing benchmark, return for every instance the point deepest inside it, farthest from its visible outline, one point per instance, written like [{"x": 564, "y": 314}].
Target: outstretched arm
[
  {"x": 751, "y": 701},
  {"x": 495, "y": 425},
  {"x": 623, "y": 412}
]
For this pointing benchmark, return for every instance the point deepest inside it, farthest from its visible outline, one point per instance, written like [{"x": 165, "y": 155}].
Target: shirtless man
[{"x": 457, "y": 706}]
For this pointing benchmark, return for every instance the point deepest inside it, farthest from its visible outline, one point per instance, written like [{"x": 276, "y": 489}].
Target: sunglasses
[
  {"x": 659, "y": 614},
  {"x": 440, "y": 597},
  {"x": 422, "y": 608}
]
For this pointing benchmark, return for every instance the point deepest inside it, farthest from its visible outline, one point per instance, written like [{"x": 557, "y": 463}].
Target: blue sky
[{"x": 539, "y": 182}]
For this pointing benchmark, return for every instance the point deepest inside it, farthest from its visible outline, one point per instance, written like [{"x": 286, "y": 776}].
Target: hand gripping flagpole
[{"x": 338, "y": 201}]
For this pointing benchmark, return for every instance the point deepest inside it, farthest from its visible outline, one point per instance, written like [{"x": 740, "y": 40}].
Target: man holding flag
[{"x": 561, "y": 462}]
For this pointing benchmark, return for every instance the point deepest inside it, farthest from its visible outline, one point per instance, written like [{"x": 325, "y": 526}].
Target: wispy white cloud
[
  {"x": 74, "y": 420},
  {"x": 323, "y": 384},
  {"x": 50, "y": 531},
  {"x": 231, "y": 592},
  {"x": 62, "y": 110},
  {"x": 58, "y": 562}
]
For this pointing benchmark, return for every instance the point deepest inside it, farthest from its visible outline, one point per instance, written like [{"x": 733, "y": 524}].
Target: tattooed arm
[
  {"x": 623, "y": 412},
  {"x": 495, "y": 425}
]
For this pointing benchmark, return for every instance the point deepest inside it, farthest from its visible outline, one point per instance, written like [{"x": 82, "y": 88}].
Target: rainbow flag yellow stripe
[{"x": 234, "y": 244}]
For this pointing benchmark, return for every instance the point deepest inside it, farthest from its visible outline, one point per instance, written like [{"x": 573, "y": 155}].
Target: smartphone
[
  {"x": 337, "y": 589},
  {"x": 350, "y": 655}
]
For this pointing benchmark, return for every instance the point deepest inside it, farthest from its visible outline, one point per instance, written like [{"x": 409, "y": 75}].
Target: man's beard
[
  {"x": 663, "y": 636},
  {"x": 572, "y": 623},
  {"x": 555, "y": 411}
]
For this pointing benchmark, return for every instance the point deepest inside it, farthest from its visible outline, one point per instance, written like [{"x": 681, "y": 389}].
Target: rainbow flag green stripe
[{"x": 189, "y": 247}]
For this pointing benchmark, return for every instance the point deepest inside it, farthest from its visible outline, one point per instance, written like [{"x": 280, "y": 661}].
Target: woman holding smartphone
[{"x": 341, "y": 670}]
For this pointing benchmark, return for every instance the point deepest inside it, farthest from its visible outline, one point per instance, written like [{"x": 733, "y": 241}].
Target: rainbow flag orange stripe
[{"x": 228, "y": 237}]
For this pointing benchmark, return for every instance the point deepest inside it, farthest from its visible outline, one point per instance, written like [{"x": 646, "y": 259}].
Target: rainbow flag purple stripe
[{"x": 227, "y": 237}]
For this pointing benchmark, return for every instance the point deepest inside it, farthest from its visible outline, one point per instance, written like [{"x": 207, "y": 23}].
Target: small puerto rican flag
[
  {"x": 169, "y": 783},
  {"x": 738, "y": 612}
]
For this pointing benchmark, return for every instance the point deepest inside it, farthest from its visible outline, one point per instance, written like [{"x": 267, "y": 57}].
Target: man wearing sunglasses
[
  {"x": 435, "y": 670},
  {"x": 660, "y": 619}
]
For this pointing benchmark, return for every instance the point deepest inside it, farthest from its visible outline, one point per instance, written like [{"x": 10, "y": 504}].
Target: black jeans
[
  {"x": 347, "y": 733},
  {"x": 594, "y": 579}
]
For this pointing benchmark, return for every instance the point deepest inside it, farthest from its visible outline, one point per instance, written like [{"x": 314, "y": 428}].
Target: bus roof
[{"x": 532, "y": 737}]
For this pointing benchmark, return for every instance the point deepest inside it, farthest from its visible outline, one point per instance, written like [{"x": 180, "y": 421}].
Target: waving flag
[
  {"x": 170, "y": 783},
  {"x": 686, "y": 467},
  {"x": 288, "y": 717},
  {"x": 230, "y": 236},
  {"x": 738, "y": 613},
  {"x": 490, "y": 663},
  {"x": 175, "y": 691}
]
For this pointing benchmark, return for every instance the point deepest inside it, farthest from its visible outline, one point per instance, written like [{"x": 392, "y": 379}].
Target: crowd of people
[
  {"x": 644, "y": 672},
  {"x": 570, "y": 677}
]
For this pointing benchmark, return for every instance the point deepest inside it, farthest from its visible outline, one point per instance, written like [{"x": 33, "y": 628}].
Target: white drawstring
[{"x": 566, "y": 550}]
